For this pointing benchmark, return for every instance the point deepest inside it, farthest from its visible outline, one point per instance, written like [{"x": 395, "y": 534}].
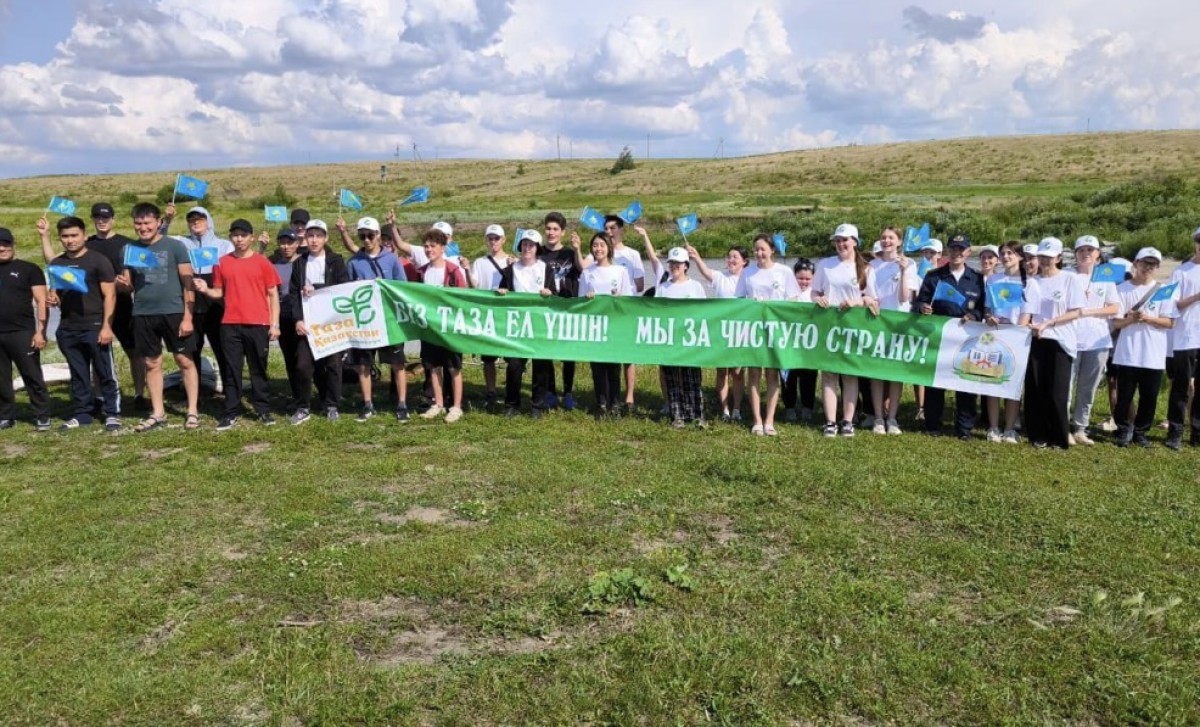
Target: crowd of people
[{"x": 153, "y": 293}]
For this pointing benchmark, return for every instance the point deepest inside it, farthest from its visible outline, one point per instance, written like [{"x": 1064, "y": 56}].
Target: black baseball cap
[
  {"x": 287, "y": 233},
  {"x": 959, "y": 240},
  {"x": 240, "y": 225},
  {"x": 6, "y": 237},
  {"x": 300, "y": 216},
  {"x": 102, "y": 209}
]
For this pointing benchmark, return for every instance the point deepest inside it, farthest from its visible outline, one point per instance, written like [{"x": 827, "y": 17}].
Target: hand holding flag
[
  {"x": 62, "y": 206},
  {"x": 140, "y": 257},
  {"x": 66, "y": 278},
  {"x": 186, "y": 186},
  {"x": 349, "y": 200},
  {"x": 687, "y": 223},
  {"x": 632, "y": 213},
  {"x": 204, "y": 257},
  {"x": 948, "y": 293},
  {"x": 779, "y": 243},
  {"x": 276, "y": 214},
  {"x": 419, "y": 194}
]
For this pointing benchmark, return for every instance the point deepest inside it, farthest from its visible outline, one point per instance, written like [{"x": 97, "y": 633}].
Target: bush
[
  {"x": 278, "y": 198},
  {"x": 623, "y": 162}
]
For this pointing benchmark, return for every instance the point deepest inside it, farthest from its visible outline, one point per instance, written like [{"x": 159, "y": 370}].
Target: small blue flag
[
  {"x": 687, "y": 223},
  {"x": 1109, "y": 273},
  {"x": 632, "y": 213},
  {"x": 349, "y": 200},
  {"x": 1166, "y": 292},
  {"x": 593, "y": 219},
  {"x": 924, "y": 267},
  {"x": 420, "y": 194},
  {"x": 915, "y": 238},
  {"x": 520, "y": 233},
  {"x": 140, "y": 257},
  {"x": 780, "y": 244},
  {"x": 65, "y": 278},
  {"x": 191, "y": 187},
  {"x": 204, "y": 257},
  {"x": 62, "y": 206},
  {"x": 276, "y": 214},
  {"x": 452, "y": 250},
  {"x": 1005, "y": 296},
  {"x": 947, "y": 292}
]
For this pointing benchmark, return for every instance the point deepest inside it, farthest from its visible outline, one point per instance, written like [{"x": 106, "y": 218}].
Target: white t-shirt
[
  {"x": 1186, "y": 334},
  {"x": 686, "y": 289},
  {"x": 887, "y": 284},
  {"x": 724, "y": 284},
  {"x": 486, "y": 276},
  {"x": 774, "y": 283},
  {"x": 631, "y": 260},
  {"x": 805, "y": 294},
  {"x": 314, "y": 270},
  {"x": 1094, "y": 333},
  {"x": 1141, "y": 344},
  {"x": 528, "y": 278},
  {"x": 605, "y": 280},
  {"x": 838, "y": 280},
  {"x": 434, "y": 276},
  {"x": 1031, "y": 302},
  {"x": 1059, "y": 294}
]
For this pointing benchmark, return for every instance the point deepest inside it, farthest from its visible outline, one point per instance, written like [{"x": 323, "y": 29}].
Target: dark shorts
[
  {"x": 388, "y": 356},
  {"x": 122, "y": 324},
  {"x": 435, "y": 356},
  {"x": 152, "y": 333},
  {"x": 489, "y": 359}
]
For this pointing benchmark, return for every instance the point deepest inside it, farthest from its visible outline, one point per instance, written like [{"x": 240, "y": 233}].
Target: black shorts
[
  {"x": 489, "y": 359},
  {"x": 122, "y": 324},
  {"x": 151, "y": 333},
  {"x": 435, "y": 356},
  {"x": 388, "y": 356}
]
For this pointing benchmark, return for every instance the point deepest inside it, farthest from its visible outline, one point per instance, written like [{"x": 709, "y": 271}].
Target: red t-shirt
[{"x": 246, "y": 282}]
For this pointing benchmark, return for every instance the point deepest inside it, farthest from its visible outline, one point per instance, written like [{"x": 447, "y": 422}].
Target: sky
[{"x": 97, "y": 86}]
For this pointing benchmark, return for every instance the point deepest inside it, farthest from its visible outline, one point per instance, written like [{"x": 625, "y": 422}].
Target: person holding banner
[
  {"x": 1054, "y": 346},
  {"x": 800, "y": 385},
  {"x": 208, "y": 312},
  {"x": 317, "y": 267},
  {"x": 1011, "y": 273},
  {"x": 1185, "y": 359},
  {"x": 1147, "y": 314},
  {"x": 731, "y": 382},
  {"x": 603, "y": 277},
  {"x": 566, "y": 265},
  {"x": 844, "y": 280},
  {"x": 23, "y": 317},
  {"x": 530, "y": 275},
  {"x": 438, "y": 360},
  {"x": 631, "y": 260},
  {"x": 1095, "y": 338},
  {"x": 895, "y": 283},
  {"x": 158, "y": 270},
  {"x": 956, "y": 291},
  {"x": 685, "y": 399},
  {"x": 765, "y": 280}
]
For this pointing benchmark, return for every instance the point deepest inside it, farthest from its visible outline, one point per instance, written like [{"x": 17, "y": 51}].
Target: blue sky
[{"x": 126, "y": 85}]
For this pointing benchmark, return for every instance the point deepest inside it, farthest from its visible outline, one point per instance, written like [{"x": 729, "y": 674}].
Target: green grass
[{"x": 432, "y": 574}]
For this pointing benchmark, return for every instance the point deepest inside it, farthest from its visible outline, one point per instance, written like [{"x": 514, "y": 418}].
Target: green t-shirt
[{"x": 158, "y": 291}]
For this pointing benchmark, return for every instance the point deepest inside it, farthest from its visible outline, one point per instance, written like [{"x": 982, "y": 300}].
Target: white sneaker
[
  {"x": 453, "y": 414},
  {"x": 1108, "y": 425},
  {"x": 893, "y": 427},
  {"x": 1010, "y": 437},
  {"x": 880, "y": 427},
  {"x": 1070, "y": 440},
  {"x": 432, "y": 412},
  {"x": 993, "y": 436},
  {"x": 1081, "y": 437}
]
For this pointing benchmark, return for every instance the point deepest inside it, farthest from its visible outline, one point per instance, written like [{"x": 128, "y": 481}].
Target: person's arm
[
  {"x": 43, "y": 228},
  {"x": 41, "y": 315},
  {"x": 650, "y": 254},
  {"x": 347, "y": 240},
  {"x": 189, "y": 297},
  {"x": 273, "y": 308},
  {"x": 577, "y": 245},
  {"x": 264, "y": 241},
  {"x": 168, "y": 217},
  {"x": 701, "y": 266},
  {"x": 108, "y": 292}
]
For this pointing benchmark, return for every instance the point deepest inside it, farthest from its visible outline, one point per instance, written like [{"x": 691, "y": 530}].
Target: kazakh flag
[{"x": 66, "y": 278}]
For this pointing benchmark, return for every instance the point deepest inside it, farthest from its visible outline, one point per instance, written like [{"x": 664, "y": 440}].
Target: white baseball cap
[
  {"x": 1050, "y": 247},
  {"x": 317, "y": 225},
  {"x": 845, "y": 230},
  {"x": 933, "y": 244},
  {"x": 677, "y": 255},
  {"x": 369, "y": 223},
  {"x": 1087, "y": 241},
  {"x": 444, "y": 228},
  {"x": 532, "y": 235},
  {"x": 492, "y": 230},
  {"x": 1148, "y": 252},
  {"x": 1030, "y": 248},
  {"x": 877, "y": 247},
  {"x": 993, "y": 249}
]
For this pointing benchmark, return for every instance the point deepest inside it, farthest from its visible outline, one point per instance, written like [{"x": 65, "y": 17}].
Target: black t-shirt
[
  {"x": 113, "y": 248},
  {"x": 17, "y": 281},
  {"x": 561, "y": 263},
  {"x": 84, "y": 311}
]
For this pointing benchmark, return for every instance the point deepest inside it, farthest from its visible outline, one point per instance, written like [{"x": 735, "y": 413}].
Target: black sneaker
[
  {"x": 266, "y": 419},
  {"x": 510, "y": 412},
  {"x": 331, "y": 413},
  {"x": 536, "y": 413},
  {"x": 367, "y": 412},
  {"x": 299, "y": 417},
  {"x": 846, "y": 429},
  {"x": 42, "y": 425},
  {"x": 1141, "y": 441},
  {"x": 402, "y": 414},
  {"x": 830, "y": 430},
  {"x": 1174, "y": 441},
  {"x": 226, "y": 424},
  {"x": 7, "y": 424},
  {"x": 489, "y": 400}
]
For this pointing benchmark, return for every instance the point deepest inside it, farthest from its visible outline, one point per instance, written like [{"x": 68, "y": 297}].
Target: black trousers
[
  {"x": 249, "y": 345},
  {"x": 1185, "y": 369},
  {"x": 326, "y": 372},
  {"x": 568, "y": 379},
  {"x": 514, "y": 372},
  {"x": 207, "y": 325},
  {"x": 1144, "y": 383},
  {"x": 16, "y": 350},
  {"x": 966, "y": 410},
  {"x": 1047, "y": 390},
  {"x": 606, "y": 381},
  {"x": 801, "y": 385},
  {"x": 289, "y": 345},
  {"x": 84, "y": 355}
]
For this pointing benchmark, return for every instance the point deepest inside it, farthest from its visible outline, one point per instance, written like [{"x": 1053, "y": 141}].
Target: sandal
[
  {"x": 150, "y": 423},
  {"x": 191, "y": 422}
]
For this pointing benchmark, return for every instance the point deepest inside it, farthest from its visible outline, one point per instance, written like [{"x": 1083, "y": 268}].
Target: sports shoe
[
  {"x": 678, "y": 424},
  {"x": 736, "y": 415},
  {"x": 537, "y": 413},
  {"x": 551, "y": 401},
  {"x": 42, "y": 425},
  {"x": 331, "y": 413},
  {"x": 489, "y": 400},
  {"x": 880, "y": 427},
  {"x": 69, "y": 424},
  {"x": 402, "y": 414},
  {"x": 993, "y": 435},
  {"x": 7, "y": 424},
  {"x": 299, "y": 417},
  {"x": 806, "y": 414},
  {"x": 433, "y": 412},
  {"x": 769, "y": 430},
  {"x": 510, "y": 412},
  {"x": 266, "y": 419},
  {"x": 846, "y": 429},
  {"x": 790, "y": 416},
  {"x": 725, "y": 416},
  {"x": 1070, "y": 440},
  {"x": 830, "y": 430},
  {"x": 453, "y": 414},
  {"x": 1142, "y": 441},
  {"x": 112, "y": 424},
  {"x": 1010, "y": 437},
  {"x": 920, "y": 414},
  {"x": 568, "y": 402},
  {"x": 893, "y": 427},
  {"x": 1081, "y": 437},
  {"x": 1174, "y": 441},
  {"x": 757, "y": 430},
  {"x": 226, "y": 424},
  {"x": 365, "y": 413},
  {"x": 1108, "y": 425}
]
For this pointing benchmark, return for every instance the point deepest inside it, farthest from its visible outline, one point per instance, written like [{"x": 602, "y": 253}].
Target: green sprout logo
[{"x": 358, "y": 304}]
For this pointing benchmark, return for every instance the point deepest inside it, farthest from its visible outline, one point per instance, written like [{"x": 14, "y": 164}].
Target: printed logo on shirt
[
  {"x": 1058, "y": 295},
  {"x": 616, "y": 286}
]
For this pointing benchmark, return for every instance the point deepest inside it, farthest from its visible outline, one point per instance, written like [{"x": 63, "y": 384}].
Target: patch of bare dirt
[
  {"x": 646, "y": 546},
  {"x": 364, "y": 446},
  {"x": 233, "y": 554},
  {"x": 720, "y": 528},
  {"x": 11, "y": 451},
  {"x": 154, "y": 640},
  {"x": 420, "y": 514},
  {"x": 256, "y": 448},
  {"x": 161, "y": 453}
]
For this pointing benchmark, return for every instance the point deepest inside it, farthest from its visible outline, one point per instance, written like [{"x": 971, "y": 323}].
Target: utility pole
[
  {"x": 397, "y": 155},
  {"x": 647, "y": 146},
  {"x": 721, "y": 148},
  {"x": 558, "y": 143},
  {"x": 416, "y": 154}
]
